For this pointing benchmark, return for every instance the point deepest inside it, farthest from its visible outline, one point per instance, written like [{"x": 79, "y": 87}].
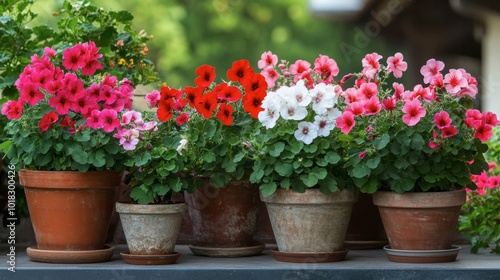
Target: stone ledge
[{"x": 359, "y": 264}]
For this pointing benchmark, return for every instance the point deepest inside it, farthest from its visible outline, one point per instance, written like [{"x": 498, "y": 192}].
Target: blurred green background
[{"x": 188, "y": 33}]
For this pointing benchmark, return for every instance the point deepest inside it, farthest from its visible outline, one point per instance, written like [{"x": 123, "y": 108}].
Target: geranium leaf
[
  {"x": 276, "y": 149},
  {"x": 382, "y": 141}
]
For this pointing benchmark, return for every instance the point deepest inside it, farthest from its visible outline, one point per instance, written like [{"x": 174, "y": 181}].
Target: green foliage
[
  {"x": 218, "y": 151},
  {"x": 155, "y": 166}
]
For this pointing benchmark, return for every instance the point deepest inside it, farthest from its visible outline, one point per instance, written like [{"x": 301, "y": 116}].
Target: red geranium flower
[
  {"x": 206, "y": 75},
  {"x": 239, "y": 71},
  {"x": 192, "y": 93},
  {"x": 206, "y": 104},
  {"x": 225, "y": 114},
  {"x": 227, "y": 93},
  {"x": 48, "y": 120},
  {"x": 164, "y": 112},
  {"x": 253, "y": 83},
  {"x": 252, "y": 102}
]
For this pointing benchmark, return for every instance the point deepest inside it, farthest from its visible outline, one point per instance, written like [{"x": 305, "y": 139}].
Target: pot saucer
[
  {"x": 422, "y": 256},
  {"x": 65, "y": 256},
  {"x": 150, "y": 259},
  {"x": 227, "y": 252},
  {"x": 320, "y": 257}
]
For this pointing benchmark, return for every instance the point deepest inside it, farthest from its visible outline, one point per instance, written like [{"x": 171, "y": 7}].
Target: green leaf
[
  {"x": 276, "y": 149},
  {"x": 268, "y": 189},
  {"x": 284, "y": 169},
  {"x": 360, "y": 170},
  {"x": 309, "y": 180},
  {"x": 382, "y": 141},
  {"x": 373, "y": 163},
  {"x": 238, "y": 157},
  {"x": 319, "y": 172},
  {"x": 4, "y": 147},
  {"x": 208, "y": 156},
  {"x": 417, "y": 141},
  {"x": 256, "y": 176},
  {"x": 332, "y": 157}
]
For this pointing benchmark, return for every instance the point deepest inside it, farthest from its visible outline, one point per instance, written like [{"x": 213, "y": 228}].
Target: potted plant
[
  {"x": 219, "y": 122},
  {"x": 124, "y": 51},
  {"x": 479, "y": 216},
  {"x": 298, "y": 160},
  {"x": 152, "y": 220},
  {"x": 63, "y": 139},
  {"x": 416, "y": 150}
]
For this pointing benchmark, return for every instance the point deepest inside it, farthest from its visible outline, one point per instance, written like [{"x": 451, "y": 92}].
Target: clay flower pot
[
  {"x": 311, "y": 224},
  {"x": 151, "y": 231},
  {"x": 70, "y": 210},
  {"x": 224, "y": 220},
  {"x": 420, "y": 221}
]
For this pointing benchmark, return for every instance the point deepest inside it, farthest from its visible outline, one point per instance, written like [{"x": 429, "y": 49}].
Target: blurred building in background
[{"x": 462, "y": 33}]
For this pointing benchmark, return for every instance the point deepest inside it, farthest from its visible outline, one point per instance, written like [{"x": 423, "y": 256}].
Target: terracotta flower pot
[
  {"x": 311, "y": 221},
  {"x": 225, "y": 217},
  {"x": 151, "y": 229},
  {"x": 70, "y": 210},
  {"x": 420, "y": 221}
]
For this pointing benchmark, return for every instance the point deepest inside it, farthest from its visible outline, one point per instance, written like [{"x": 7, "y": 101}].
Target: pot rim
[
  {"x": 311, "y": 196},
  {"x": 150, "y": 209},
  {"x": 420, "y": 199},
  {"x": 69, "y": 179}
]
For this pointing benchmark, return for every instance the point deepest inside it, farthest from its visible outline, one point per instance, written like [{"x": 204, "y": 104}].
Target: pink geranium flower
[
  {"x": 30, "y": 94},
  {"x": 372, "y": 106},
  {"x": 182, "y": 119},
  {"x": 431, "y": 70},
  {"x": 300, "y": 69},
  {"x": 345, "y": 122},
  {"x": 93, "y": 119},
  {"x": 271, "y": 76},
  {"x": 367, "y": 90},
  {"x": 396, "y": 65},
  {"x": 61, "y": 103},
  {"x": 153, "y": 98},
  {"x": 442, "y": 119},
  {"x": 73, "y": 58},
  {"x": 371, "y": 65},
  {"x": 454, "y": 81},
  {"x": 12, "y": 109},
  {"x": 108, "y": 120},
  {"x": 449, "y": 131},
  {"x": 413, "y": 112},
  {"x": 326, "y": 67},
  {"x": 267, "y": 59}
]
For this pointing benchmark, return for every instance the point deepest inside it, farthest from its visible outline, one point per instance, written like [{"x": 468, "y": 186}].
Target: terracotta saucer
[
  {"x": 150, "y": 259},
  {"x": 64, "y": 256},
  {"x": 227, "y": 252},
  {"x": 320, "y": 257},
  {"x": 365, "y": 245},
  {"x": 422, "y": 256}
]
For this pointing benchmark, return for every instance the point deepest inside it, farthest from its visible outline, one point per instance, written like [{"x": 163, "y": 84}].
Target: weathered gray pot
[
  {"x": 311, "y": 221},
  {"x": 151, "y": 229}
]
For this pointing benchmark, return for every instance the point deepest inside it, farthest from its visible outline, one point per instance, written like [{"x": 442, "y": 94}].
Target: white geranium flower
[
  {"x": 292, "y": 111},
  {"x": 332, "y": 114},
  {"x": 182, "y": 145},
  {"x": 306, "y": 132},
  {"x": 271, "y": 113},
  {"x": 323, "y": 97},
  {"x": 300, "y": 94},
  {"x": 324, "y": 125}
]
